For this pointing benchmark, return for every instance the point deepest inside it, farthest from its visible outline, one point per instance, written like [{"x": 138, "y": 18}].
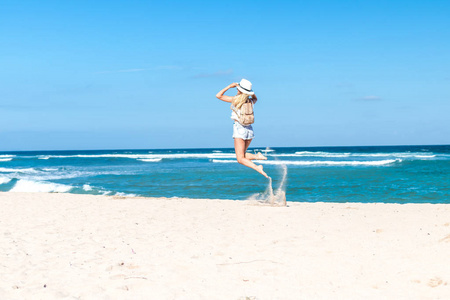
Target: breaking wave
[
  {"x": 26, "y": 170},
  {"x": 151, "y": 159},
  {"x": 39, "y": 186},
  {"x": 319, "y": 162},
  {"x": 145, "y": 156},
  {"x": 349, "y": 154},
  {"x": 4, "y": 180}
]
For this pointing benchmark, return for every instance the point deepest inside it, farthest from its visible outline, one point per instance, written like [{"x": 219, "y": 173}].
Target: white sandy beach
[{"x": 97, "y": 247}]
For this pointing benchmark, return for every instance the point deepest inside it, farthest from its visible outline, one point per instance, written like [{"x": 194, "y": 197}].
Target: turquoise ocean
[{"x": 390, "y": 174}]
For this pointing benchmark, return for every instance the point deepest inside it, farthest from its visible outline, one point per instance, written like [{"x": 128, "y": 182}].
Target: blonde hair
[{"x": 239, "y": 100}]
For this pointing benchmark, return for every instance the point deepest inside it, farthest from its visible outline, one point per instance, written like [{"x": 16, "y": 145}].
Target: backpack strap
[{"x": 233, "y": 109}]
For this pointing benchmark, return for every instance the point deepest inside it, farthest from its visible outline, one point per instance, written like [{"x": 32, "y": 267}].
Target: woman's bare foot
[
  {"x": 259, "y": 156},
  {"x": 260, "y": 170}
]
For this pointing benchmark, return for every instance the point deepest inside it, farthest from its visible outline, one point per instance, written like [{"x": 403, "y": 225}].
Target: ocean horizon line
[{"x": 230, "y": 148}]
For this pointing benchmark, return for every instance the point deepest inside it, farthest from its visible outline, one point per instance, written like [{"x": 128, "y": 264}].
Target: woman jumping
[{"x": 242, "y": 135}]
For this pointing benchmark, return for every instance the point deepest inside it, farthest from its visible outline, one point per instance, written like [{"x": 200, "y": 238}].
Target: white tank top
[{"x": 234, "y": 116}]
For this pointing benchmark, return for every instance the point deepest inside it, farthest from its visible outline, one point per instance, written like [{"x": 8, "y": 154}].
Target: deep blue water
[{"x": 400, "y": 174}]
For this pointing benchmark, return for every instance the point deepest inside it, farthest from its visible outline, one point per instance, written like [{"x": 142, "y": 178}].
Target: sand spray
[{"x": 277, "y": 198}]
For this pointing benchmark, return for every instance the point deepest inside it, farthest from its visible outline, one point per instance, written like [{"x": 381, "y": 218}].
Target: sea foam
[
  {"x": 349, "y": 154},
  {"x": 319, "y": 162},
  {"x": 87, "y": 187},
  {"x": 145, "y": 156},
  {"x": 332, "y": 163},
  {"x": 67, "y": 174},
  {"x": 124, "y": 194},
  {"x": 26, "y": 170},
  {"x": 321, "y": 154},
  {"x": 41, "y": 187},
  {"x": 151, "y": 159},
  {"x": 4, "y": 180}
]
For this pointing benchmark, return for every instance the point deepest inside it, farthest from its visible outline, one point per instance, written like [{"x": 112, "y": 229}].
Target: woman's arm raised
[
  {"x": 254, "y": 98},
  {"x": 220, "y": 95}
]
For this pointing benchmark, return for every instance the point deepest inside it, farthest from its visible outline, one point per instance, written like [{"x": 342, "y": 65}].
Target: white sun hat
[{"x": 245, "y": 87}]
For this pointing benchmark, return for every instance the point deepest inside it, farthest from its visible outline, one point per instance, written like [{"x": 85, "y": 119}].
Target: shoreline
[{"x": 57, "y": 245}]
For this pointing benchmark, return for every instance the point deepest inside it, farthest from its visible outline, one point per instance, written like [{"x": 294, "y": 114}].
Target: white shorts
[{"x": 242, "y": 132}]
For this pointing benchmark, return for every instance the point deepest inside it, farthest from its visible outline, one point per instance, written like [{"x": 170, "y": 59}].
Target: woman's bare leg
[
  {"x": 251, "y": 156},
  {"x": 240, "y": 146},
  {"x": 258, "y": 156}
]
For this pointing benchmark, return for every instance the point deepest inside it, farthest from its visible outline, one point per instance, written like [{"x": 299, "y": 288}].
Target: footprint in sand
[{"x": 435, "y": 282}]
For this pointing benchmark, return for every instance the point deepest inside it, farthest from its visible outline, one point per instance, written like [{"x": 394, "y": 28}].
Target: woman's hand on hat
[{"x": 233, "y": 85}]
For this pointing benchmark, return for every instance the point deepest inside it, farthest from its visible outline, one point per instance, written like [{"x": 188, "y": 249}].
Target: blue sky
[{"x": 144, "y": 74}]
